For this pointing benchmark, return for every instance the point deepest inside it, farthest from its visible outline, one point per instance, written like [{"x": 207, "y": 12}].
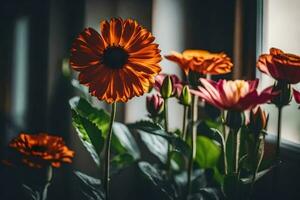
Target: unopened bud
[
  {"x": 285, "y": 95},
  {"x": 235, "y": 119},
  {"x": 185, "y": 97},
  {"x": 154, "y": 105},
  {"x": 258, "y": 120},
  {"x": 167, "y": 88}
]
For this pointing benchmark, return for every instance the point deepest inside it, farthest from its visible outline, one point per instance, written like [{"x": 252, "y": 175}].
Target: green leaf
[
  {"x": 150, "y": 127},
  {"x": 120, "y": 161},
  {"x": 155, "y": 129},
  {"x": 99, "y": 117},
  {"x": 81, "y": 88},
  {"x": 178, "y": 161},
  {"x": 30, "y": 193},
  {"x": 259, "y": 175},
  {"x": 208, "y": 152},
  {"x": 158, "y": 180},
  {"x": 84, "y": 128},
  {"x": 90, "y": 187},
  {"x": 206, "y": 194},
  {"x": 124, "y": 142},
  {"x": 155, "y": 144}
]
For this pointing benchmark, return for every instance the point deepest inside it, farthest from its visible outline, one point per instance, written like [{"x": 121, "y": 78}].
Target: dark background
[{"x": 216, "y": 25}]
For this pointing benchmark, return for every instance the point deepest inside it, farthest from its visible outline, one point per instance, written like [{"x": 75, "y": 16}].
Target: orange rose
[
  {"x": 201, "y": 61},
  {"x": 281, "y": 66}
]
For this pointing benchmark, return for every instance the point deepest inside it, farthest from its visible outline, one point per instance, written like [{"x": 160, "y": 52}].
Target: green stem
[
  {"x": 184, "y": 123},
  {"x": 236, "y": 149},
  {"x": 166, "y": 115},
  {"x": 167, "y": 130},
  {"x": 257, "y": 163},
  {"x": 193, "y": 142},
  {"x": 107, "y": 151},
  {"x": 278, "y": 141},
  {"x": 49, "y": 172},
  {"x": 224, "y": 142}
]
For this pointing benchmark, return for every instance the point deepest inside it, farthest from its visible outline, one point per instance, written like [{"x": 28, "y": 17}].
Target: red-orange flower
[
  {"x": 281, "y": 66},
  {"x": 201, "y": 61},
  {"x": 117, "y": 64},
  {"x": 42, "y": 150},
  {"x": 238, "y": 95}
]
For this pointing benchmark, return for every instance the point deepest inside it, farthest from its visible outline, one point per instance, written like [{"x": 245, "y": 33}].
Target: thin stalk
[
  {"x": 107, "y": 152},
  {"x": 49, "y": 172},
  {"x": 276, "y": 176},
  {"x": 256, "y": 164},
  {"x": 167, "y": 130},
  {"x": 166, "y": 115},
  {"x": 224, "y": 142},
  {"x": 236, "y": 149},
  {"x": 184, "y": 123},
  {"x": 278, "y": 141},
  {"x": 193, "y": 142}
]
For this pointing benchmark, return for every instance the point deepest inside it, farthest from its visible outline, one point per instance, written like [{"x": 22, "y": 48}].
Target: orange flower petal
[{"x": 125, "y": 68}]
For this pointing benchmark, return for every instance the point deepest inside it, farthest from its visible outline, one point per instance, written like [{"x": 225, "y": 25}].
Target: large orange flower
[
  {"x": 202, "y": 61},
  {"x": 117, "y": 64},
  {"x": 42, "y": 150},
  {"x": 281, "y": 66}
]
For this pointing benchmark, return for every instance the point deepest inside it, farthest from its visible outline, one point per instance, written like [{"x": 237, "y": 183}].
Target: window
[{"x": 280, "y": 30}]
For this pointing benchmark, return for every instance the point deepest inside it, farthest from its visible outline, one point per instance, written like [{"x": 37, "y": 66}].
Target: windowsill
[{"x": 289, "y": 150}]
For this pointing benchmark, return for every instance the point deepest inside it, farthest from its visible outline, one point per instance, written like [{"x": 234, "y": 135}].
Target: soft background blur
[{"x": 36, "y": 36}]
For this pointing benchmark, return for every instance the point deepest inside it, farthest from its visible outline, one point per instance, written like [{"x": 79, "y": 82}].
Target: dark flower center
[
  {"x": 38, "y": 148},
  {"x": 114, "y": 57}
]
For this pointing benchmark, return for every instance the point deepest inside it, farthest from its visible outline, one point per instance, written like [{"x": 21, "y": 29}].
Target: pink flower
[
  {"x": 154, "y": 104},
  {"x": 236, "y": 95},
  {"x": 280, "y": 65},
  {"x": 176, "y": 83},
  {"x": 296, "y": 96}
]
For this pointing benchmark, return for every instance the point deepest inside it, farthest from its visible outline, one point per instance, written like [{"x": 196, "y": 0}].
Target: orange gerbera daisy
[
  {"x": 117, "y": 64},
  {"x": 42, "y": 150},
  {"x": 202, "y": 61}
]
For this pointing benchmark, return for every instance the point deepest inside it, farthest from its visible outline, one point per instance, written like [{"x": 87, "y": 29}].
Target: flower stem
[
  {"x": 276, "y": 176},
  {"x": 236, "y": 142},
  {"x": 107, "y": 151},
  {"x": 167, "y": 130},
  {"x": 224, "y": 142},
  {"x": 49, "y": 172},
  {"x": 193, "y": 142},
  {"x": 278, "y": 141},
  {"x": 166, "y": 115},
  {"x": 257, "y": 162},
  {"x": 184, "y": 123}
]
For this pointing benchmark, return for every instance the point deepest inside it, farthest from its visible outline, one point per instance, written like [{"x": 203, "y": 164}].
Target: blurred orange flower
[
  {"x": 117, "y": 64},
  {"x": 201, "y": 61},
  {"x": 281, "y": 66},
  {"x": 238, "y": 95},
  {"x": 42, "y": 150}
]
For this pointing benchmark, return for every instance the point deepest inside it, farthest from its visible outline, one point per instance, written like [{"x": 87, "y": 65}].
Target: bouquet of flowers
[{"x": 218, "y": 151}]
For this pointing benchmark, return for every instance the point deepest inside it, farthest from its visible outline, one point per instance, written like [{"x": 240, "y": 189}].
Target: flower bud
[
  {"x": 154, "y": 105},
  {"x": 285, "y": 95},
  {"x": 258, "y": 120},
  {"x": 185, "y": 97},
  {"x": 235, "y": 119},
  {"x": 166, "y": 88}
]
